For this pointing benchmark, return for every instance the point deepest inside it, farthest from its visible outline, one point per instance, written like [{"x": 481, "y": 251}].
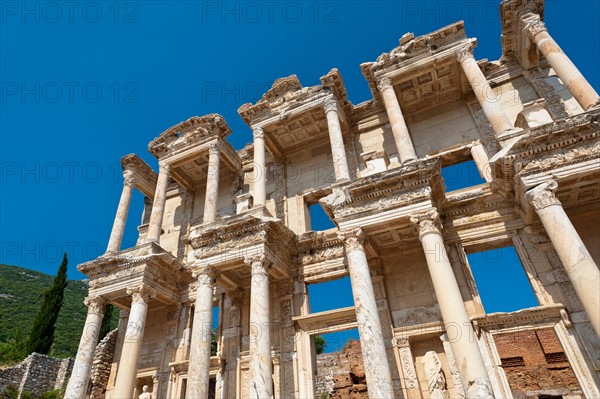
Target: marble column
[
  {"x": 132, "y": 345},
  {"x": 490, "y": 103},
  {"x": 212, "y": 184},
  {"x": 260, "y": 383},
  {"x": 158, "y": 205},
  {"x": 116, "y": 234},
  {"x": 260, "y": 171},
  {"x": 338, "y": 151},
  {"x": 199, "y": 363},
  {"x": 482, "y": 162},
  {"x": 457, "y": 323},
  {"x": 406, "y": 150},
  {"x": 80, "y": 376},
  {"x": 576, "y": 259},
  {"x": 572, "y": 78},
  {"x": 377, "y": 369}
]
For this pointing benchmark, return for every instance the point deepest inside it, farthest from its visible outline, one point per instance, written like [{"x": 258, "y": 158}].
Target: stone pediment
[
  {"x": 193, "y": 131},
  {"x": 287, "y": 94},
  {"x": 418, "y": 181},
  {"x": 411, "y": 46}
]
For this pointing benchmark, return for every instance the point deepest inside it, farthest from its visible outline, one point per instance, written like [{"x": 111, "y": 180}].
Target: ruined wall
[
  {"x": 37, "y": 374},
  {"x": 535, "y": 363},
  {"x": 341, "y": 375},
  {"x": 101, "y": 365}
]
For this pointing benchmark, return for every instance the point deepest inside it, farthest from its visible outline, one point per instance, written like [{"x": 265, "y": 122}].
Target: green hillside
[{"x": 21, "y": 294}]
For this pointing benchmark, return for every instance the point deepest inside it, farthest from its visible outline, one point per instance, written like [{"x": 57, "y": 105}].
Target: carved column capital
[
  {"x": 129, "y": 178},
  {"x": 535, "y": 26},
  {"x": 353, "y": 239},
  {"x": 543, "y": 195},
  {"x": 330, "y": 105},
  {"x": 258, "y": 132},
  {"x": 164, "y": 166},
  {"x": 384, "y": 83},
  {"x": 401, "y": 342},
  {"x": 427, "y": 222},
  {"x": 141, "y": 293},
  {"x": 260, "y": 264},
  {"x": 95, "y": 304},
  {"x": 464, "y": 53},
  {"x": 205, "y": 275},
  {"x": 213, "y": 149}
]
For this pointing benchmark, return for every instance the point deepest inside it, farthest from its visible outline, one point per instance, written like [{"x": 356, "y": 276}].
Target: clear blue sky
[{"x": 84, "y": 84}]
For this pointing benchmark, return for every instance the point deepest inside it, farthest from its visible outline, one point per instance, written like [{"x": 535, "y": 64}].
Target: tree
[
  {"x": 106, "y": 321},
  {"x": 42, "y": 333},
  {"x": 320, "y": 344}
]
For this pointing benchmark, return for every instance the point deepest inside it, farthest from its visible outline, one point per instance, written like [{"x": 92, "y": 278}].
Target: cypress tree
[
  {"x": 106, "y": 321},
  {"x": 42, "y": 333}
]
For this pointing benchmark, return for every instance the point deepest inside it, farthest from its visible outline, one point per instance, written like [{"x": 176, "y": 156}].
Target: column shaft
[
  {"x": 492, "y": 108},
  {"x": 132, "y": 345},
  {"x": 78, "y": 383},
  {"x": 482, "y": 161},
  {"x": 377, "y": 369},
  {"x": 260, "y": 172},
  {"x": 199, "y": 364},
  {"x": 338, "y": 151},
  {"x": 158, "y": 205},
  {"x": 261, "y": 366},
  {"x": 456, "y": 320},
  {"x": 572, "y": 78},
  {"x": 406, "y": 150},
  {"x": 212, "y": 185},
  {"x": 116, "y": 234},
  {"x": 579, "y": 264}
]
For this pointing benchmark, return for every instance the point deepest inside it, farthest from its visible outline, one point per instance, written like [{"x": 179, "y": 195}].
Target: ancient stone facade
[{"x": 231, "y": 230}]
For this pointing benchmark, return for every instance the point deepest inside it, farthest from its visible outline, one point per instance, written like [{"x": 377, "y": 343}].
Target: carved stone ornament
[
  {"x": 352, "y": 239},
  {"x": 534, "y": 27},
  {"x": 141, "y": 293},
  {"x": 543, "y": 195},
  {"x": 95, "y": 304},
  {"x": 205, "y": 275},
  {"x": 464, "y": 53},
  {"x": 260, "y": 264},
  {"x": 384, "y": 83},
  {"x": 129, "y": 179},
  {"x": 258, "y": 132},
  {"x": 427, "y": 222},
  {"x": 330, "y": 105},
  {"x": 436, "y": 381}
]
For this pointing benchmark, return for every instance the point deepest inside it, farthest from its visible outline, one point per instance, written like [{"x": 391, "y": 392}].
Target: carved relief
[{"x": 436, "y": 381}]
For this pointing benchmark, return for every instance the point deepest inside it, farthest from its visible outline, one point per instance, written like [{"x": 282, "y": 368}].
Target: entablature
[{"x": 143, "y": 175}]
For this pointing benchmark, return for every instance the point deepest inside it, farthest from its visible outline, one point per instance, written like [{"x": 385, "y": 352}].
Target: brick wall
[
  {"x": 341, "y": 375},
  {"x": 535, "y": 364}
]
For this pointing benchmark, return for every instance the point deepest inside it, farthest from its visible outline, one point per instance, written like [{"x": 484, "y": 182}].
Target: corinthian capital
[
  {"x": 543, "y": 195},
  {"x": 260, "y": 264},
  {"x": 384, "y": 83},
  {"x": 464, "y": 53},
  {"x": 535, "y": 26},
  {"x": 129, "y": 178},
  {"x": 258, "y": 132},
  {"x": 330, "y": 104},
  {"x": 427, "y": 222},
  {"x": 141, "y": 293},
  {"x": 352, "y": 239},
  {"x": 206, "y": 275},
  {"x": 95, "y": 304}
]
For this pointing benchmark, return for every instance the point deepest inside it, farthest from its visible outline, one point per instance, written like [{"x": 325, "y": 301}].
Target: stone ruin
[{"x": 231, "y": 230}]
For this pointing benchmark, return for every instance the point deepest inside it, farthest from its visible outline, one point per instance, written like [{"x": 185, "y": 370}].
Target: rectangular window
[{"x": 461, "y": 175}]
